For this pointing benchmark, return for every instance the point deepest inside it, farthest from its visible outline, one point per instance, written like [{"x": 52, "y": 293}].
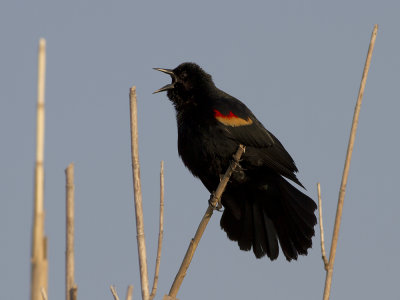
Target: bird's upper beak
[{"x": 168, "y": 86}]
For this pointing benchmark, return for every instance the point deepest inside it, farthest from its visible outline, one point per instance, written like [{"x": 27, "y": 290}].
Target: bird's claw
[
  {"x": 237, "y": 165},
  {"x": 217, "y": 206}
]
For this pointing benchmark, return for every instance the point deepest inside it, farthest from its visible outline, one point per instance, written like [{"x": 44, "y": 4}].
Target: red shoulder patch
[{"x": 231, "y": 119}]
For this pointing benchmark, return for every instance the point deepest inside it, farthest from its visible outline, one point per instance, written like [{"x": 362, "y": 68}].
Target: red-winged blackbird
[{"x": 261, "y": 207}]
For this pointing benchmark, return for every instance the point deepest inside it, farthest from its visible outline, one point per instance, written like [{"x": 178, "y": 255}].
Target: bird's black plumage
[{"x": 262, "y": 208}]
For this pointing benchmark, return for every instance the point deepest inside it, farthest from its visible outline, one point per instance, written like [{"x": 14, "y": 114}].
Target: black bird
[{"x": 261, "y": 206}]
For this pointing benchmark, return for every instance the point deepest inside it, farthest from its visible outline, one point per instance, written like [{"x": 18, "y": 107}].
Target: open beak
[{"x": 168, "y": 86}]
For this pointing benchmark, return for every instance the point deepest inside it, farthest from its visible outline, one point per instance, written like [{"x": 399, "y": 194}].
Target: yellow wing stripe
[{"x": 231, "y": 119}]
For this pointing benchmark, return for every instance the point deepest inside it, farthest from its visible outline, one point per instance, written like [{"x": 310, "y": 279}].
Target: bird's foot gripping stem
[{"x": 215, "y": 204}]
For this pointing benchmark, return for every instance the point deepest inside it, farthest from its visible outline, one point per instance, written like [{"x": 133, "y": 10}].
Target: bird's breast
[{"x": 204, "y": 150}]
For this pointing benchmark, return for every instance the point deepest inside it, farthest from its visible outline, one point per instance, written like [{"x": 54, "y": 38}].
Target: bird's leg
[
  {"x": 217, "y": 205},
  {"x": 239, "y": 174}
]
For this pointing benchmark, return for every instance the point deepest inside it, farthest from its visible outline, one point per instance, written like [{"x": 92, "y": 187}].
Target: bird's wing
[{"x": 240, "y": 124}]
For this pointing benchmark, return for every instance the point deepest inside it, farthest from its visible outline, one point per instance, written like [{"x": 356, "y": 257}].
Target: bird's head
[{"x": 188, "y": 80}]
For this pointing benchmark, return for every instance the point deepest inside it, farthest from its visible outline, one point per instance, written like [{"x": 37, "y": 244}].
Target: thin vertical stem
[
  {"x": 70, "y": 231},
  {"x": 160, "y": 233},
  {"x": 321, "y": 227},
  {"x": 129, "y": 292},
  {"x": 39, "y": 263},
  {"x": 138, "y": 196},
  {"x": 335, "y": 235}
]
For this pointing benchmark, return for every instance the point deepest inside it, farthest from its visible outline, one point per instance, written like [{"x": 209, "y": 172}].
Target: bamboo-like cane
[
  {"x": 342, "y": 192},
  {"x": 70, "y": 287},
  {"x": 202, "y": 226},
  {"x": 160, "y": 233},
  {"x": 39, "y": 263},
  {"x": 138, "y": 196}
]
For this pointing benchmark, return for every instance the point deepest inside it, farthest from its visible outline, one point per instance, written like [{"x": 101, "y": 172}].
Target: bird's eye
[{"x": 184, "y": 76}]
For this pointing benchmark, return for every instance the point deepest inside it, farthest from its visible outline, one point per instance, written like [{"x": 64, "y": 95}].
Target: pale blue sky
[{"x": 296, "y": 64}]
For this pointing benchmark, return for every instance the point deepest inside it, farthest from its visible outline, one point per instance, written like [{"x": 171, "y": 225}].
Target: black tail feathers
[{"x": 260, "y": 217}]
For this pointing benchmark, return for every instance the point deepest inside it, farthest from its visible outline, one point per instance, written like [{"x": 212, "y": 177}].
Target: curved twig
[{"x": 215, "y": 200}]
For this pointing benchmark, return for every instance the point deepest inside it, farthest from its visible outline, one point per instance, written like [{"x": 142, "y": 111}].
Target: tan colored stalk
[
  {"x": 342, "y": 192},
  {"x": 39, "y": 263},
  {"x": 43, "y": 292},
  {"x": 321, "y": 227},
  {"x": 70, "y": 287},
  {"x": 216, "y": 198},
  {"x": 129, "y": 292},
  {"x": 74, "y": 292},
  {"x": 160, "y": 233},
  {"x": 114, "y": 292},
  {"x": 138, "y": 196}
]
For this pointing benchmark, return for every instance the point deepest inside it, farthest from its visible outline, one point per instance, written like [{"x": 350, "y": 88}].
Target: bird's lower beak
[
  {"x": 165, "y": 88},
  {"x": 168, "y": 86}
]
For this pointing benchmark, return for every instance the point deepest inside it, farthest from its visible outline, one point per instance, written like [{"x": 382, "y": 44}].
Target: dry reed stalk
[
  {"x": 39, "y": 263},
  {"x": 138, "y": 195},
  {"x": 160, "y": 233},
  {"x": 74, "y": 292},
  {"x": 114, "y": 292},
  {"x": 43, "y": 292},
  {"x": 342, "y": 192},
  {"x": 216, "y": 197},
  {"x": 70, "y": 287},
  {"x": 129, "y": 292},
  {"x": 321, "y": 227}
]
